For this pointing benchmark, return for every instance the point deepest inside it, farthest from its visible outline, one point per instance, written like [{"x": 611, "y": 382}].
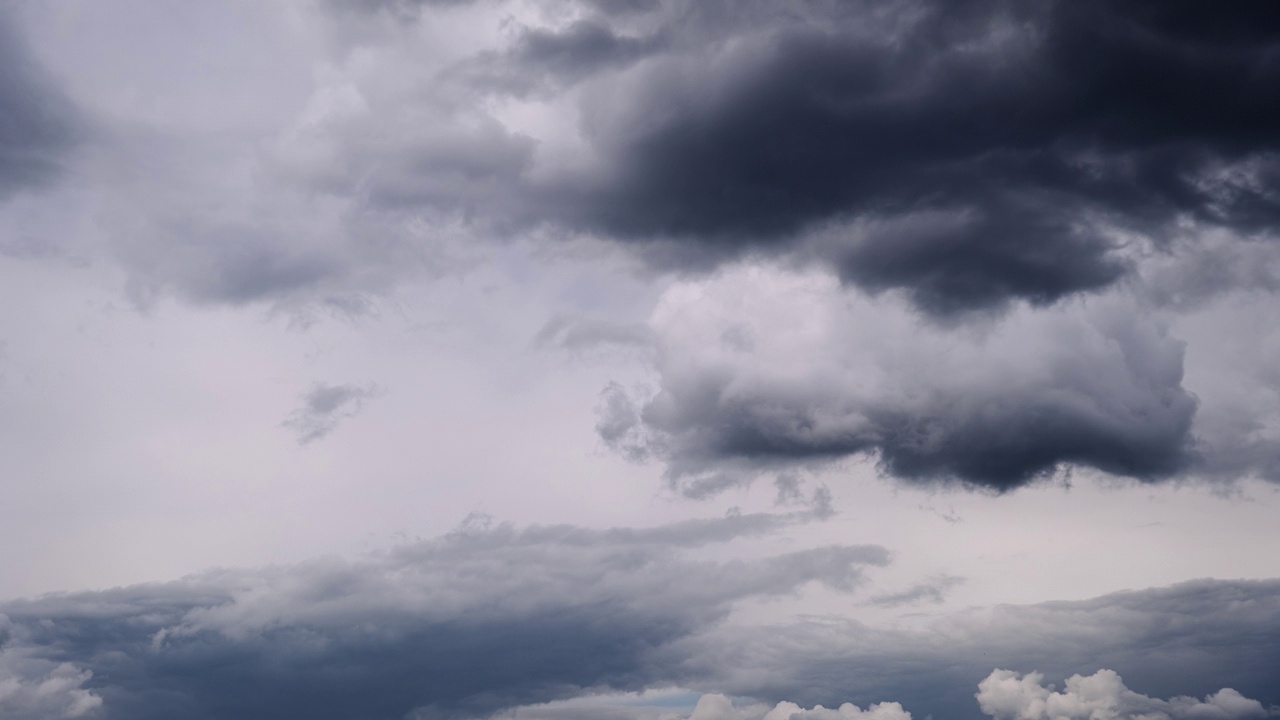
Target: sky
[{"x": 639, "y": 360}]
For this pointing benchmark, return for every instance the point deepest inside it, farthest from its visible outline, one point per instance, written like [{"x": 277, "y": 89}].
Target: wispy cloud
[{"x": 324, "y": 407}]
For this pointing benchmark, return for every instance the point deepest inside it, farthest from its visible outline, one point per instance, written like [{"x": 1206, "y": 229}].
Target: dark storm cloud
[
  {"x": 324, "y": 407},
  {"x": 546, "y": 60},
  {"x": 965, "y": 153},
  {"x": 987, "y": 145},
  {"x": 482, "y": 619},
  {"x": 37, "y": 123},
  {"x": 1102, "y": 391},
  {"x": 489, "y": 620}
]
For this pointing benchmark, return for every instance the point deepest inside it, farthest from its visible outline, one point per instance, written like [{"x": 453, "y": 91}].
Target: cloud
[
  {"x": 806, "y": 374},
  {"x": 492, "y": 620},
  {"x": 39, "y": 124},
  {"x": 485, "y": 618},
  {"x": 1193, "y": 638},
  {"x": 577, "y": 334},
  {"x": 324, "y": 407},
  {"x": 933, "y": 591},
  {"x": 961, "y": 154},
  {"x": 1005, "y": 695},
  {"x": 719, "y": 707},
  {"x": 1002, "y": 695},
  {"x": 31, "y": 687}
]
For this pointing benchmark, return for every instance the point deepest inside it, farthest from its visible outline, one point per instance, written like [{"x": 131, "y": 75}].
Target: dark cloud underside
[
  {"x": 480, "y": 620},
  {"x": 494, "y": 618},
  {"x": 36, "y": 121},
  {"x": 1032, "y": 127},
  {"x": 1104, "y": 391},
  {"x": 1188, "y": 639},
  {"x": 966, "y": 153}
]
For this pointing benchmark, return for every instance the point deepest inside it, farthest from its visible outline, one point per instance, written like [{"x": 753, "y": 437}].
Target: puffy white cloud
[
  {"x": 1005, "y": 695},
  {"x": 877, "y": 711},
  {"x": 32, "y": 688}
]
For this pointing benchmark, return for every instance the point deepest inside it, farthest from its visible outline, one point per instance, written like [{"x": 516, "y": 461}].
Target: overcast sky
[{"x": 639, "y": 359}]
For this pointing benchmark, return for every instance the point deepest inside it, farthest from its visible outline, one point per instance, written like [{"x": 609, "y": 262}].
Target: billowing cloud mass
[
  {"x": 1005, "y": 695},
  {"x": 975, "y": 244},
  {"x": 966, "y": 154},
  {"x": 761, "y": 370},
  {"x": 32, "y": 687},
  {"x": 719, "y": 707},
  {"x": 492, "y": 619},
  {"x": 1031, "y": 196}
]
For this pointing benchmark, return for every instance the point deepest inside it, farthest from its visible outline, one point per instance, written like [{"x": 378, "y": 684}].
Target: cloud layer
[
  {"x": 491, "y": 618},
  {"x": 485, "y": 618}
]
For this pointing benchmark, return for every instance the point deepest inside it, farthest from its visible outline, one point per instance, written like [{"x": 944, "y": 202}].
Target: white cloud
[
  {"x": 35, "y": 689},
  {"x": 1005, "y": 695}
]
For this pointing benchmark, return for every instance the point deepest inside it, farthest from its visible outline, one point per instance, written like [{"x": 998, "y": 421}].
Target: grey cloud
[
  {"x": 1191, "y": 639},
  {"x": 38, "y": 124},
  {"x": 1100, "y": 388},
  {"x": 401, "y": 9},
  {"x": 982, "y": 112},
  {"x": 1002, "y": 695},
  {"x": 966, "y": 154},
  {"x": 324, "y": 407},
  {"x": 933, "y": 591},
  {"x": 410, "y": 8},
  {"x": 961, "y": 154},
  {"x": 547, "y": 60},
  {"x": 494, "y": 618},
  {"x": 32, "y": 687},
  {"x": 585, "y": 333},
  {"x": 485, "y": 618}
]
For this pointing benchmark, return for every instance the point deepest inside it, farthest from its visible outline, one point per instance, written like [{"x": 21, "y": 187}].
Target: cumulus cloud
[
  {"x": 485, "y": 618},
  {"x": 32, "y": 688},
  {"x": 962, "y": 154},
  {"x": 720, "y": 707},
  {"x": 1005, "y": 695},
  {"x": 324, "y": 407},
  {"x": 803, "y": 373}
]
